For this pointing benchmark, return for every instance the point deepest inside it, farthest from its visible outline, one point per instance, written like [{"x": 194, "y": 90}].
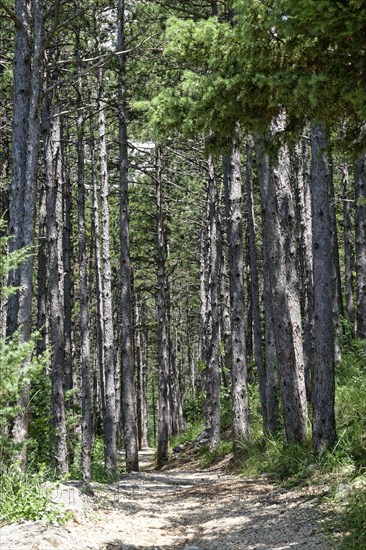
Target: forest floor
[{"x": 178, "y": 507}]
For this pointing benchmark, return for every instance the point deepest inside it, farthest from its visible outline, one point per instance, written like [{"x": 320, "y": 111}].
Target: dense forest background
[{"x": 183, "y": 229}]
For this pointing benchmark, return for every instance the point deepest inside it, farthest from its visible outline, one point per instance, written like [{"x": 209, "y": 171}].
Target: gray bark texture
[
  {"x": 109, "y": 420},
  {"x": 127, "y": 360},
  {"x": 302, "y": 187},
  {"x": 21, "y": 103},
  {"x": 213, "y": 362},
  {"x": 56, "y": 284},
  {"x": 323, "y": 422},
  {"x": 84, "y": 301},
  {"x": 234, "y": 224},
  {"x": 360, "y": 249},
  {"x": 280, "y": 247},
  {"x": 24, "y": 182},
  {"x": 161, "y": 306},
  {"x": 349, "y": 266},
  {"x": 254, "y": 280},
  {"x": 141, "y": 364}
]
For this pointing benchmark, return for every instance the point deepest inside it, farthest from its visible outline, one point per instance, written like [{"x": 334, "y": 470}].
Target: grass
[{"x": 24, "y": 496}]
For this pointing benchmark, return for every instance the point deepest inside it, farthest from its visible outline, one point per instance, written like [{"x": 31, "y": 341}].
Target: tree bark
[
  {"x": 84, "y": 299},
  {"x": 161, "y": 306},
  {"x": 323, "y": 423},
  {"x": 24, "y": 184},
  {"x": 213, "y": 362},
  {"x": 234, "y": 220},
  {"x": 258, "y": 349},
  {"x": 127, "y": 362},
  {"x": 302, "y": 186},
  {"x": 360, "y": 249},
  {"x": 109, "y": 420},
  {"x": 56, "y": 287},
  {"x": 279, "y": 245},
  {"x": 349, "y": 266}
]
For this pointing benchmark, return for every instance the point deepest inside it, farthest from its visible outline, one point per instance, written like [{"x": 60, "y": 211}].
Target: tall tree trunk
[
  {"x": 83, "y": 297},
  {"x": 348, "y": 247},
  {"x": 21, "y": 103},
  {"x": 163, "y": 360},
  {"x": 181, "y": 375},
  {"x": 213, "y": 362},
  {"x": 42, "y": 262},
  {"x": 68, "y": 287},
  {"x": 141, "y": 367},
  {"x": 258, "y": 349},
  {"x": 323, "y": 424},
  {"x": 109, "y": 420},
  {"x": 24, "y": 183},
  {"x": 360, "y": 233},
  {"x": 98, "y": 273},
  {"x": 272, "y": 422},
  {"x": 279, "y": 245},
  {"x": 56, "y": 284},
  {"x": 128, "y": 390},
  {"x": 225, "y": 321},
  {"x": 302, "y": 187},
  {"x": 234, "y": 217},
  {"x": 336, "y": 272}
]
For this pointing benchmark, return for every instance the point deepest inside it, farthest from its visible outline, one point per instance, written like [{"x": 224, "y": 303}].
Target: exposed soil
[{"x": 177, "y": 508}]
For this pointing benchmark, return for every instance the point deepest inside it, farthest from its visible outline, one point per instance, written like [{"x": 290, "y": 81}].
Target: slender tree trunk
[
  {"x": 336, "y": 272},
  {"x": 234, "y": 217},
  {"x": 141, "y": 368},
  {"x": 109, "y": 420},
  {"x": 323, "y": 424},
  {"x": 163, "y": 413},
  {"x": 213, "y": 362},
  {"x": 181, "y": 375},
  {"x": 348, "y": 247},
  {"x": 98, "y": 274},
  {"x": 302, "y": 186},
  {"x": 258, "y": 349},
  {"x": 191, "y": 366},
  {"x": 360, "y": 233},
  {"x": 128, "y": 391},
  {"x": 42, "y": 261},
  {"x": 68, "y": 287},
  {"x": 84, "y": 299},
  {"x": 56, "y": 285},
  {"x": 272, "y": 421},
  {"x": 279, "y": 245},
  {"x": 225, "y": 322}
]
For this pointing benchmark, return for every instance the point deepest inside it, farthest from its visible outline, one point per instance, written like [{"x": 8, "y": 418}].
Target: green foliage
[
  {"x": 193, "y": 408},
  {"x": 24, "y": 496},
  {"x": 352, "y": 521},
  {"x": 209, "y": 457},
  {"x": 189, "y": 434}
]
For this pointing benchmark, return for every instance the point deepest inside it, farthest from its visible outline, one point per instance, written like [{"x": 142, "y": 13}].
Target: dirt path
[{"x": 174, "y": 509}]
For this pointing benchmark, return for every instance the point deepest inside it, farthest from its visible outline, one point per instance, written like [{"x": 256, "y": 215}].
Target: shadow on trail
[{"x": 225, "y": 514}]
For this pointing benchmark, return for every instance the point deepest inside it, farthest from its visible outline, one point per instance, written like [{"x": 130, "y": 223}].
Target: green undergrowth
[
  {"x": 210, "y": 457},
  {"x": 98, "y": 471},
  {"x": 23, "y": 495},
  {"x": 190, "y": 433},
  {"x": 342, "y": 469}
]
